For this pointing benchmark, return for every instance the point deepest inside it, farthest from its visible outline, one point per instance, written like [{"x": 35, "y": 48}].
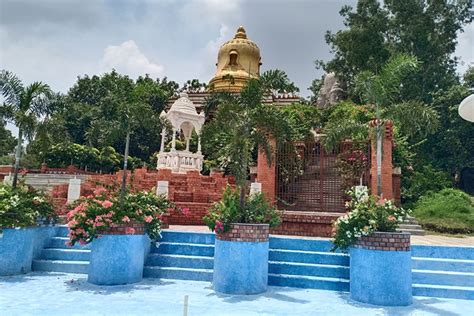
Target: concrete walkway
[
  {"x": 69, "y": 294},
  {"x": 431, "y": 240}
]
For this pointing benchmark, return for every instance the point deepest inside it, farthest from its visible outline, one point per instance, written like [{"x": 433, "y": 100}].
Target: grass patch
[{"x": 447, "y": 211}]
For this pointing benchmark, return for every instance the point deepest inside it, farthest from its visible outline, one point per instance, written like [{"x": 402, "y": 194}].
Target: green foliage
[
  {"x": 422, "y": 181},
  {"x": 7, "y": 141},
  {"x": 366, "y": 215},
  {"x": 91, "y": 215},
  {"x": 106, "y": 160},
  {"x": 24, "y": 107},
  {"x": 97, "y": 109},
  {"x": 242, "y": 124},
  {"x": 228, "y": 210},
  {"x": 23, "y": 207},
  {"x": 451, "y": 148},
  {"x": 447, "y": 211},
  {"x": 301, "y": 119},
  {"x": 346, "y": 120},
  {"x": 425, "y": 29}
]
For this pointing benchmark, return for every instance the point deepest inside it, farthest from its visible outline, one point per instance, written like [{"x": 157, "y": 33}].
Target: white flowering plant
[
  {"x": 23, "y": 207},
  {"x": 367, "y": 214}
]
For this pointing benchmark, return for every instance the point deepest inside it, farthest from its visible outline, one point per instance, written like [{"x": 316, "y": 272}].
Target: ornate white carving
[{"x": 183, "y": 117}]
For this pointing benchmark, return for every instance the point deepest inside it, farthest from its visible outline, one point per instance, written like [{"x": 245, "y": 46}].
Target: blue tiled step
[
  {"x": 177, "y": 273},
  {"x": 463, "y": 253},
  {"x": 65, "y": 254},
  {"x": 187, "y": 237},
  {"x": 167, "y": 260},
  {"x": 309, "y": 269},
  {"x": 323, "y": 283},
  {"x": 61, "y": 266},
  {"x": 300, "y": 244},
  {"x": 62, "y": 231},
  {"x": 60, "y": 242},
  {"x": 443, "y": 277},
  {"x": 184, "y": 249},
  {"x": 442, "y": 264},
  {"x": 309, "y": 257},
  {"x": 459, "y": 292}
]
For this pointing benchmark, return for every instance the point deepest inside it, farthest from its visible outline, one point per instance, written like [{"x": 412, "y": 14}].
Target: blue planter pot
[
  {"x": 16, "y": 250},
  {"x": 380, "y": 276},
  {"x": 241, "y": 267},
  {"x": 117, "y": 259}
]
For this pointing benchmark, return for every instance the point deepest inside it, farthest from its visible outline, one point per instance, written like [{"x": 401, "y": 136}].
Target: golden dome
[{"x": 237, "y": 61}]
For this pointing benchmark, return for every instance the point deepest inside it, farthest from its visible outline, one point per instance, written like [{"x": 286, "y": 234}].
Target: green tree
[
  {"x": 381, "y": 90},
  {"x": 243, "y": 124},
  {"x": 24, "y": 107},
  {"x": 7, "y": 141},
  {"x": 425, "y": 29}
]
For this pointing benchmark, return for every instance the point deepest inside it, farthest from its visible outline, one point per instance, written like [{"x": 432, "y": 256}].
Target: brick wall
[
  {"x": 306, "y": 224},
  {"x": 385, "y": 241},
  {"x": 266, "y": 174},
  {"x": 245, "y": 232},
  {"x": 191, "y": 190}
]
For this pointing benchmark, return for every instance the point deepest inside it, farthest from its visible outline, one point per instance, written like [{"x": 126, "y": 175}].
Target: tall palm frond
[
  {"x": 11, "y": 87},
  {"x": 414, "y": 118}
]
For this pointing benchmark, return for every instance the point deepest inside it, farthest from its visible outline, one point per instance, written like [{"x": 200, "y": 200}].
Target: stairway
[
  {"x": 446, "y": 272},
  {"x": 184, "y": 256},
  {"x": 410, "y": 225},
  {"x": 307, "y": 263},
  {"x": 443, "y": 272},
  {"x": 57, "y": 257}
]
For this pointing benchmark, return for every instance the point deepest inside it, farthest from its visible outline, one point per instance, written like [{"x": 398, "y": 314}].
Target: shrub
[
  {"x": 367, "y": 214},
  {"x": 227, "y": 211},
  {"x": 23, "y": 207},
  {"x": 448, "y": 211},
  {"x": 103, "y": 210},
  {"x": 423, "y": 181}
]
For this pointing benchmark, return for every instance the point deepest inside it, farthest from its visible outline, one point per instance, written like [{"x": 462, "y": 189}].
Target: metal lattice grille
[{"x": 307, "y": 177}]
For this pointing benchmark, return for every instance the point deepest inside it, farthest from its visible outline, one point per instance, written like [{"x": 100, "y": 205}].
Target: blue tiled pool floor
[{"x": 70, "y": 294}]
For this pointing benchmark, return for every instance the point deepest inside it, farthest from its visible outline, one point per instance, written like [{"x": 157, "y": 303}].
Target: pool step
[
  {"x": 179, "y": 248},
  {"x": 304, "y": 256},
  {"x": 177, "y": 273},
  {"x": 308, "y": 269},
  {"x": 442, "y": 264},
  {"x": 65, "y": 254},
  {"x": 182, "y": 261},
  {"x": 309, "y": 282},
  {"x": 444, "y": 291},
  {"x": 68, "y": 266}
]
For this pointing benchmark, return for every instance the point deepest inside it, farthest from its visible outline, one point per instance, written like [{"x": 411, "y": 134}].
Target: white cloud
[
  {"x": 127, "y": 58},
  {"x": 213, "y": 46}
]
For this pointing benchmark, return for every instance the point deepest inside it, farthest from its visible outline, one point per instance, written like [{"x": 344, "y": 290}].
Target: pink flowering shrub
[
  {"x": 367, "y": 214},
  {"x": 257, "y": 210},
  {"x": 103, "y": 210}
]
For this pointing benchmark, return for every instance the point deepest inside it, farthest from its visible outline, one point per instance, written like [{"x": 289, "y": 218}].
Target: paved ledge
[
  {"x": 70, "y": 294},
  {"x": 429, "y": 240}
]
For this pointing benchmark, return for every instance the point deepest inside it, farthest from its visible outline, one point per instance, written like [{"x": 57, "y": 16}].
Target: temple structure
[{"x": 238, "y": 61}]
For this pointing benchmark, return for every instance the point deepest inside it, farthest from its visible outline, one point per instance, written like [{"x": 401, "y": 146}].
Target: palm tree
[
  {"x": 243, "y": 124},
  {"x": 381, "y": 90},
  {"x": 23, "y": 106}
]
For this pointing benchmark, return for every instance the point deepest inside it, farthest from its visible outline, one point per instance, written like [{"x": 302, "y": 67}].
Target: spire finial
[{"x": 240, "y": 33}]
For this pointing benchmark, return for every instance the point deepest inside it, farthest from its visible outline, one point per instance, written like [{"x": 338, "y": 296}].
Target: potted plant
[
  {"x": 380, "y": 257},
  {"x": 22, "y": 210},
  {"x": 118, "y": 225},
  {"x": 241, "y": 245}
]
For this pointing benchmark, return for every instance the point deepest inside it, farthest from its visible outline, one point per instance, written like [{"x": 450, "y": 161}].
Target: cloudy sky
[{"x": 57, "y": 40}]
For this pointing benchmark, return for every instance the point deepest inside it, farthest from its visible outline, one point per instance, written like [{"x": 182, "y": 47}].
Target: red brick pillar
[
  {"x": 387, "y": 167},
  {"x": 266, "y": 173}
]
